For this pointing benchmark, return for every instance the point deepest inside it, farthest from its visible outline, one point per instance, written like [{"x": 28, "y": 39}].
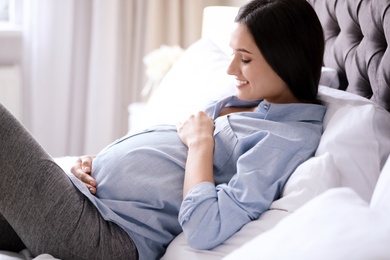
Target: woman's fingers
[{"x": 82, "y": 170}]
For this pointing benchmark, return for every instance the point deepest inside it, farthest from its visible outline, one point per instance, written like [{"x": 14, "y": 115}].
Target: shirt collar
[{"x": 271, "y": 111}]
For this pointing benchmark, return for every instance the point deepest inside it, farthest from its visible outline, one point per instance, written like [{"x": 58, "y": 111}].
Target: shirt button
[{"x": 266, "y": 106}]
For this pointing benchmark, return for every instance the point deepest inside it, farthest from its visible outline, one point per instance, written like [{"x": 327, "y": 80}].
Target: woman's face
[{"x": 256, "y": 80}]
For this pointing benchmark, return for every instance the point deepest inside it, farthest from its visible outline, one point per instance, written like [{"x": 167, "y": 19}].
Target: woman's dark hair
[{"x": 290, "y": 37}]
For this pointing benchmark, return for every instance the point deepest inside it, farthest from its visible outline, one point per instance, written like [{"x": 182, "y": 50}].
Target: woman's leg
[
  {"x": 43, "y": 207},
  {"x": 9, "y": 240}
]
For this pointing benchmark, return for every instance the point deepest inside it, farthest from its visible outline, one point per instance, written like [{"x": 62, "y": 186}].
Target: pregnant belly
[{"x": 140, "y": 167}]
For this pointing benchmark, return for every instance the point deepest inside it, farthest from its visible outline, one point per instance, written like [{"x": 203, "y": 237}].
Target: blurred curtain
[{"x": 83, "y": 64}]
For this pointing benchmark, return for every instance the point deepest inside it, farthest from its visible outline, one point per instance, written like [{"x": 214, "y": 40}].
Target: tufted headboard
[{"x": 356, "y": 45}]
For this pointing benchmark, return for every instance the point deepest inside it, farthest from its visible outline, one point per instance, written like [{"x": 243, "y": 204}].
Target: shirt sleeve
[{"x": 211, "y": 214}]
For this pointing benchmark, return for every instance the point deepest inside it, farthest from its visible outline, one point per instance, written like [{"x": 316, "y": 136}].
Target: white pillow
[
  {"x": 356, "y": 133},
  {"x": 337, "y": 224},
  {"x": 310, "y": 179},
  {"x": 352, "y": 151},
  {"x": 197, "y": 78}
]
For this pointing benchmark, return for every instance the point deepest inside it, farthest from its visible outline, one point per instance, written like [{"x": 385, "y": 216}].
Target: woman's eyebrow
[{"x": 243, "y": 50}]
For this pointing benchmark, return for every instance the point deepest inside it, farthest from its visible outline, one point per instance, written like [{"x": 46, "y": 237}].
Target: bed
[{"x": 335, "y": 205}]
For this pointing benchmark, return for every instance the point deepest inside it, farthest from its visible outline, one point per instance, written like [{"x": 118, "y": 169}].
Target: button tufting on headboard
[{"x": 356, "y": 45}]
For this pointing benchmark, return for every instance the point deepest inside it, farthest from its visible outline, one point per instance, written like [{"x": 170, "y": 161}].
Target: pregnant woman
[{"x": 206, "y": 177}]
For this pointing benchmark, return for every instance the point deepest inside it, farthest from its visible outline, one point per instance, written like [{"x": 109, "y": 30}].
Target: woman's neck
[{"x": 229, "y": 110}]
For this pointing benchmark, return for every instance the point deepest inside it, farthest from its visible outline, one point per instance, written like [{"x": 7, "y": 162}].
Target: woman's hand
[
  {"x": 197, "y": 134},
  {"x": 82, "y": 170},
  {"x": 196, "y": 129}
]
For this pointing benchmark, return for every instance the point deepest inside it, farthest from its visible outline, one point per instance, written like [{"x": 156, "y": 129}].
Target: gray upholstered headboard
[{"x": 357, "y": 33}]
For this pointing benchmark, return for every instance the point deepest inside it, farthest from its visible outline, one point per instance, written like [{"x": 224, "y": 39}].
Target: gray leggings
[{"x": 41, "y": 209}]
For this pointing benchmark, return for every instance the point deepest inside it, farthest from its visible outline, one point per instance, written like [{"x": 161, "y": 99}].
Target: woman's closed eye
[{"x": 245, "y": 61}]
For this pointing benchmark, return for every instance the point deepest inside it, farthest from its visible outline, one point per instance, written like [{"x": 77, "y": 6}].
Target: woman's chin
[{"x": 244, "y": 96}]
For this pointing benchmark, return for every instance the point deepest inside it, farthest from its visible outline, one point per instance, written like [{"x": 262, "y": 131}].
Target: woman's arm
[
  {"x": 197, "y": 134},
  {"x": 82, "y": 170},
  {"x": 210, "y": 214}
]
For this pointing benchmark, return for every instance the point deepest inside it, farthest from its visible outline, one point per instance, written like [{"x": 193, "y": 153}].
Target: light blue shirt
[{"x": 140, "y": 176}]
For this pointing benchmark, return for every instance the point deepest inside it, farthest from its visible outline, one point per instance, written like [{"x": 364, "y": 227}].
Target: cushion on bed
[
  {"x": 352, "y": 151},
  {"x": 197, "y": 77},
  {"x": 310, "y": 179},
  {"x": 357, "y": 135},
  {"x": 336, "y": 225}
]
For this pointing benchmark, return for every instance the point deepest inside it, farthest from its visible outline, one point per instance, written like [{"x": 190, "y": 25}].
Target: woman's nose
[{"x": 232, "y": 68}]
